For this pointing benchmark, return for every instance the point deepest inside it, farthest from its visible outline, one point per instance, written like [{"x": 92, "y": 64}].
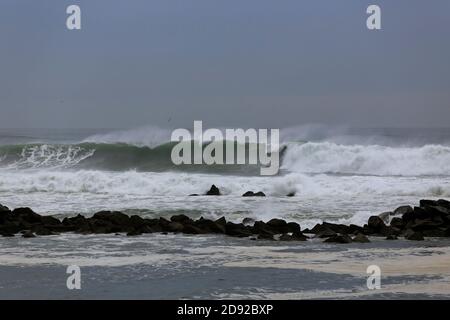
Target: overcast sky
[{"x": 250, "y": 63}]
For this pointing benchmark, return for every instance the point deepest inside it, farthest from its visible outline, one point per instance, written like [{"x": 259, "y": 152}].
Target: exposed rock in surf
[
  {"x": 214, "y": 191},
  {"x": 339, "y": 238},
  {"x": 237, "y": 230},
  {"x": 360, "y": 238},
  {"x": 248, "y": 221},
  {"x": 385, "y": 216},
  {"x": 28, "y": 234},
  {"x": 400, "y": 211},
  {"x": 413, "y": 235},
  {"x": 391, "y": 237},
  {"x": 290, "y": 194},
  {"x": 430, "y": 219},
  {"x": 253, "y": 194}
]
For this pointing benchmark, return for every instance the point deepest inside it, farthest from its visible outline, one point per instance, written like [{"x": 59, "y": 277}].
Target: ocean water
[{"x": 338, "y": 175}]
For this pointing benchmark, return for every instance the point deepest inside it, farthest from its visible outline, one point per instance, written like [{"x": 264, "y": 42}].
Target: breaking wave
[{"x": 307, "y": 157}]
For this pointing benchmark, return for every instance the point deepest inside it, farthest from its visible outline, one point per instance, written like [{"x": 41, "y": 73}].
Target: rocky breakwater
[{"x": 430, "y": 219}]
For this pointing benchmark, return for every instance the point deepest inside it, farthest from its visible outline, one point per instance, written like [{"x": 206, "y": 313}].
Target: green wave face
[{"x": 111, "y": 157}]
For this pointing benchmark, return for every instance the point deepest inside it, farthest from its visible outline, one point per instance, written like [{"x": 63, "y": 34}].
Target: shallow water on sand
[{"x": 179, "y": 266}]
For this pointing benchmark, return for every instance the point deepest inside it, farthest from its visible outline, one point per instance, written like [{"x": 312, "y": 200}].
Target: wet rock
[
  {"x": 194, "y": 195},
  {"x": 237, "y": 230},
  {"x": 6, "y": 234},
  {"x": 209, "y": 226},
  {"x": 285, "y": 237},
  {"x": 28, "y": 234},
  {"x": 354, "y": 229},
  {"x": 41, "y": 231},
  {"x": 293, "y": 227},
  {"x": 299, "y": 236},
  {"x": 417, "y": 213},
  {"x": 253, "y": 194},
  {"x": 27, "y": 215},
  {"x": 325, "y": 233},
  {"x": 338, "y": 228},
  {"x": 4, "y": 208},
  {"x": 361, "y": 238},
  {"x": 248, "y": 221},
  {"x": 174, "y": 227},
  {"x": 114, "y": 217},
  {"x": 290, "y": 194},
  {"x": 181, "y": 218},
  {"x": 427, "y": 224},
  {"x": 191, "y": 229},
  {"x": 397, "y": 222},
  {"x": 213, "y": 191},
  {"x": 339, "y": 238},
  {"x": 133, "y": 233},
  {"x": 261, "y": 228},
  {"x": 266, "y": 236},
  {"x": 137, "y": 222},
  {"x": 391, "y": 237},
  {"x": 385, "y": 216},
  {"x": 400, "y": 211},
  {"x": 278, "y": 226},
  {"x": 413, "y": 235},
  {"x": 222, "y": 221},
  {"x": 375, "y": 223}
]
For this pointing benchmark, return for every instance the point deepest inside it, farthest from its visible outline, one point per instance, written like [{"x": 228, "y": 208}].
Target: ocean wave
[
  {"x": 300, "y": 157},
  {"x": 327, "y": 157}
]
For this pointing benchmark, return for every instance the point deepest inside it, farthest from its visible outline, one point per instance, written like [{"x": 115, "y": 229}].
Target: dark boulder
[
  {"x": 326, "y": 227},
  {"x": 339, "y": 238},
  {"x": 413, "y": 235},
  {"x": 50, "y": 221},
  {"x": 326, "y": 233},
  {"x": 299, "y": 236},
  {"x": 221, "y": 221},
  {"x": 375, "y": 223},
  {"x": 290, "y": 194},
  {"x": 133, "y": 233},
  {"x": 114, "y": 217},
  {"x": 293, "y": 227},
  {"x": 261, "y": 228},
  {"x": 4, "y": 208},
  {"x": 137, "y": 222},
  {"x": 400, "y": 211},
  {"x": 174, "y": 227},
  {"x": 248, "y": 221},
  {"x": 181, "y": 218},
  {"x": 385, "y": 216},
  {"x": 253, "y": 194},
  {"x": 42, "y": 231},
  {"x": 361, "y": 238},
  {"x": 209, "y": 226},
  {"x": 237, "y": 230},
  {"x": 27, "y": 215},
  {"x": 278, "y": 226},
  {"x": 191, "y": 229},
  {"x": 28, "y": 234},
  {"x": 338, "y": 228},
  {"x": 397, "y": 222},
  {"x": 214, "y": 191},
  {"x": 285, "y": 237}
]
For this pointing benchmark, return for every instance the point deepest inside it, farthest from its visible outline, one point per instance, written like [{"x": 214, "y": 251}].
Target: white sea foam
[{"x": 327, "y": 157}]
